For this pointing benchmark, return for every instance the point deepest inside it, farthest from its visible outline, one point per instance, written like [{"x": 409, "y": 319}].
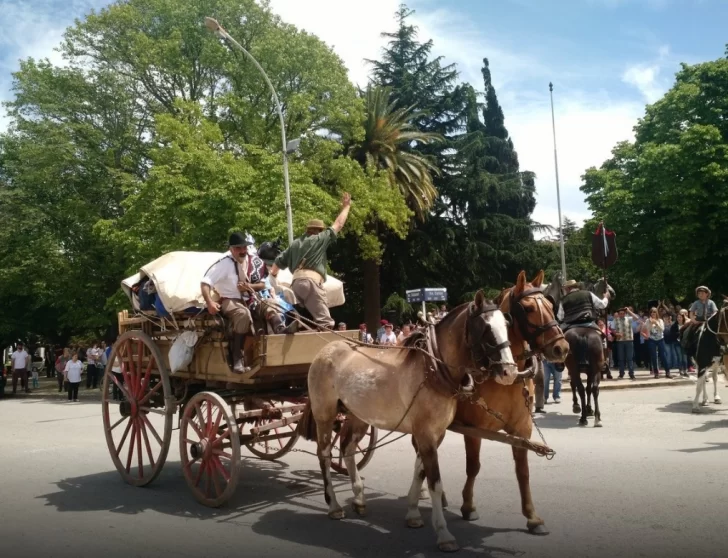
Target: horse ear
[
  {"x": 538, "y": 280},
  {"x": 479, "y": 298},
  {"x": 521, "y": 282}
]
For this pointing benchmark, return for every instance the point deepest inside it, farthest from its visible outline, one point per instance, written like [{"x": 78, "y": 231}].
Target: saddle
[{"x": 589, "y": 325}]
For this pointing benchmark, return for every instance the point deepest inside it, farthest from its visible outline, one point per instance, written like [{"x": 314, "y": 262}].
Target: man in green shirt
[{"x": 306, "y": 257}]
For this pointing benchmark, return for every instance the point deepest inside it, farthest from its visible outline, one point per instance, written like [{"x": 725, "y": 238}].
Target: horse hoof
[
  {"x": 471, "y": 515},
  {"x": 589, "y": 413},
  {"x": 359, "y": 509},
  {"x": 696, "y": 411},
  {"x": 576, "y": 409},
  {"x": 337, "y": 514},
  {"x": 717, "y": 401},
  {"x": 538, "y": 410},
  {"x": 450, "y": 546},
  {"x": 704, "y": 404},
  {"x": 597, "y": 424},
  {"x": 583, "y": 422},
  {"x": 415, "y": 523},
  {"x": 538, "y": 529}
]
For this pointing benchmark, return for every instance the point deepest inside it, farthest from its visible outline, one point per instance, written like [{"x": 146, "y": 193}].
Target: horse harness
[{"x": 530, "y": 331}]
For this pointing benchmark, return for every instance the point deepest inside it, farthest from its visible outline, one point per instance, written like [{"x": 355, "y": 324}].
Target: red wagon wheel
[
  {"x": 209, "y": 444},
  {"x": 137, "y": 425},
  {"x": 365, "y": 445},
  {"x": 276, "y": 443}
]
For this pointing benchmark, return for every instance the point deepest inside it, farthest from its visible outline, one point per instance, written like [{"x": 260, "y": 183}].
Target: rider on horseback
[
  {"x": 580, "y": 307},
  {"x": 700, "y": 312}
]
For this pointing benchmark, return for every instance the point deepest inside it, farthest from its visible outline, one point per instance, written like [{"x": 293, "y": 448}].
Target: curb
[{"x": 609, "y": 385}]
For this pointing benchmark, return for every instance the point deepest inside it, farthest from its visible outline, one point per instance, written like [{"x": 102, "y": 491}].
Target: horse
[
  {"x": 586, "y": 355},
  {"x": 535, "y": 327},
  {"x": 404, "y": 389},
  {"x": 707, "y": 346}
]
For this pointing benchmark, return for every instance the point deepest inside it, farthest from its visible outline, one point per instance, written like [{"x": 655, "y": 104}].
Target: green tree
[{"x": 665, "y": 194}]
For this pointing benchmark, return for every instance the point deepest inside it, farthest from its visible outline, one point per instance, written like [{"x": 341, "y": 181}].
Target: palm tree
[{"x": 387, "y": 146}]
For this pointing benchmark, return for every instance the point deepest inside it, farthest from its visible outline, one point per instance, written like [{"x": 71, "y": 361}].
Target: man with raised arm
[{"x": 306, "y": 257}]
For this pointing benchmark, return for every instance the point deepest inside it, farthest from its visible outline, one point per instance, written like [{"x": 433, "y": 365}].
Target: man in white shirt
[
  {"x": 388, "y": 338},
  {"x": 19, "y": 363},
  {"x": 224, "y": 276},
  {"x": 579, "y": 306}
]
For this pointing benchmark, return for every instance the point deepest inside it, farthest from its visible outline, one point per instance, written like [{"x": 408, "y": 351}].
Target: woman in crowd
[{"x": 681, "y": 357}]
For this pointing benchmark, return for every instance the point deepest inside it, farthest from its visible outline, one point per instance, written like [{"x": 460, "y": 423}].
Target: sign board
[{"x": 427, "y": 295}]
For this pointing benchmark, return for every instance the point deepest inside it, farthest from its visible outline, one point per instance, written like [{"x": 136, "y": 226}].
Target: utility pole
[{"x": 558, "y": 195}]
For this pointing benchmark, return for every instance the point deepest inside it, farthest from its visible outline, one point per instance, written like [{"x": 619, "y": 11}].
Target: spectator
[
  {"x": 624, "y": 344},
  {"x": 380, "y": 331},
  {"x": 404, "y": 334},
  {"x": 19, "y": 363},
  {"x": 72, "y": 372},
  {"x": 389, "y": 338},
  {"x": 671, "y": 342},
  {"x": 61, "y": 361},
  {"x": 681, "y": 359},
  {"x": 364, "y": 336},
  {"x": 93, "y": 356},
  {"x": 550, "y": 371},
  {"x": 653, "y": 330},
  {"x": 341, "y": 326}
]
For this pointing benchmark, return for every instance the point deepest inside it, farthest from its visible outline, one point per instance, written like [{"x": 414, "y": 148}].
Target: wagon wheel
[
  {"x": 275, "y": 443},
  {"x": 209, "y": 444},
  {"x": 365, "y": 445},
  {"x": 138, "y": 450}
]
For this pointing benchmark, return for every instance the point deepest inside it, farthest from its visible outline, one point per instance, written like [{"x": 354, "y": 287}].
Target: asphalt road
[{"x": 652, "y": 482}]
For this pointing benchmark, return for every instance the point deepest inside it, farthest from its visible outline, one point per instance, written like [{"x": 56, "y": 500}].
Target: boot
[
  {"x": 277, "y": 324},
  {"x": 238, "y": 342}
]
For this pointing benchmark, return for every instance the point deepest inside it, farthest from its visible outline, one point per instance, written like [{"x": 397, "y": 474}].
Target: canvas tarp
[{"x": 177, "y": 276}]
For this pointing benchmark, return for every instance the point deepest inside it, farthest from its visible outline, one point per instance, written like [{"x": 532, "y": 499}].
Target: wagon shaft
[
  {"x": 285, "y": 421},
  {"x": 514, "y": 441}
]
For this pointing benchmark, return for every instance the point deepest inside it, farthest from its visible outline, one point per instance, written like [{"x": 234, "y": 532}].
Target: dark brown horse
[
  {"x": 533, "y": 325},
  {"x": 586, "y": 355}
]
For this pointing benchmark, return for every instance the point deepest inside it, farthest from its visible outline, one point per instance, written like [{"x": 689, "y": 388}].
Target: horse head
[
  {"x": 534, "y": 319},
  {"x": 486, "y": 334}
]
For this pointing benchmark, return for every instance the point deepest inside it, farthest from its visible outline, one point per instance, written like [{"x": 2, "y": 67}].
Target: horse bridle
[
  {"x": 531, "y": 332},
  {"x": 484, "y": 347}
]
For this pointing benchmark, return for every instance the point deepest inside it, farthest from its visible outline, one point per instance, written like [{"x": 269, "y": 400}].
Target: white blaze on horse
[{"x": 405, "y": 390}]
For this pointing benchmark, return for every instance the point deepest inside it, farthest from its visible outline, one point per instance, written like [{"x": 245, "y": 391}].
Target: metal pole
[
  {"x": 558, "y": 195},
  {"x": 216, "y": 28}
]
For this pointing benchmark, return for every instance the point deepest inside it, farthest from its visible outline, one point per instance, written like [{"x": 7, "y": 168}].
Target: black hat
[{"x": 238, "y": 239}]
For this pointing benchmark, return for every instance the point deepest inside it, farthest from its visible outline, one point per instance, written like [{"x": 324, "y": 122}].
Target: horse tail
[{"x": 307, "y": 424}]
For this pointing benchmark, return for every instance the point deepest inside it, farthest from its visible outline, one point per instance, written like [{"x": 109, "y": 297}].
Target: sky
[{"x": 607, "y": 59}]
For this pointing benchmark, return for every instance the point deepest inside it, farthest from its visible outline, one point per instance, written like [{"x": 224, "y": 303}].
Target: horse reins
[{"x": 531, "y": 332}]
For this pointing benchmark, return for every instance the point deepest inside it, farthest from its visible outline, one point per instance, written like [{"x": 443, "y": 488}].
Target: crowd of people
[{"x": 392, "y": 334}]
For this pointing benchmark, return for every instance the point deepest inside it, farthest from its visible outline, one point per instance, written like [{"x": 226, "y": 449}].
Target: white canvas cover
[{"x": 177, "y": 276}]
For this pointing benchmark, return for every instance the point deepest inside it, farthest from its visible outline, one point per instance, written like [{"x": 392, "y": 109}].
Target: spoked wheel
[
  {"x": 137, "y": 424},
  {"x": 276, "y": 443},
  {"x": 209, "y": 445},
  {"x": 365, "y": 445}
]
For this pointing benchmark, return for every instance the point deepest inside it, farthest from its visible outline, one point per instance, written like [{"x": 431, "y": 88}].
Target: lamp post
[
  {"x": 216, "y": 28},
  {"x": 558, "y": 195}
]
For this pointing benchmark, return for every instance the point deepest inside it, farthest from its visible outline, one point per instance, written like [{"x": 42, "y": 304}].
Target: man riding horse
[{"x": 580, "y": 307}]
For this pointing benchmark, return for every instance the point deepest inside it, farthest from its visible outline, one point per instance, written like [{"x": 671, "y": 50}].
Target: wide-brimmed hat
[
  {"x": 315, "y": 224},
  {"x": 702, "y": 288},
  {"x": 238, "y": 239},
  {"x": 570, "y": 283}
]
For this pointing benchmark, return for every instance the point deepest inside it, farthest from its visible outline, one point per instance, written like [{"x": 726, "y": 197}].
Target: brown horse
[
  {"x": 404, "y": 390},
  {"x": 533, "y": 326},
  {"x": 586, "y": 355}
]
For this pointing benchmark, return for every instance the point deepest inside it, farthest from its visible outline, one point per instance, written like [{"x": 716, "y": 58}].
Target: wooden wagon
[{"x": 217, "y": 411}]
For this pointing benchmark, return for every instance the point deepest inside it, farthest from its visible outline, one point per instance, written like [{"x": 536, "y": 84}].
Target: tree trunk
[{"x": 372, "y": 296}]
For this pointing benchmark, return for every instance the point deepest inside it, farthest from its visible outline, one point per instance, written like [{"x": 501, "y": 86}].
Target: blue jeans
[
  {"x": 671, "y": 355},
  {"x": 549, "y": 371},
  {"x": 653, "y": 347},
  {"x": 624, "y": 351}
]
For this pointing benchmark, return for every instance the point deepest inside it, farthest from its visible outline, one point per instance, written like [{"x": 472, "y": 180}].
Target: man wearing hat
[
  {"x": 225, "y": 277},
  {"x": 700, "y": 312},
  {"x": 306, "y": 256},
  {"x": 580, "y": 306}
]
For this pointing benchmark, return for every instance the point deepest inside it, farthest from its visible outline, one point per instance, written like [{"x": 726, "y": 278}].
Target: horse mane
[{"x": 417, "y": 339}]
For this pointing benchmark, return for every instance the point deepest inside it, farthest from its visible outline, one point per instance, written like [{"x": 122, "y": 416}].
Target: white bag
[{"x": 182, "y": 351}]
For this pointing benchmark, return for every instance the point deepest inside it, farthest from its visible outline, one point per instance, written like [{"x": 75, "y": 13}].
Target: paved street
[{"x": 653, "y": 482}]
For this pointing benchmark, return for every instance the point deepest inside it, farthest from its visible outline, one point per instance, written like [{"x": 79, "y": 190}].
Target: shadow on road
[
  {"x": 286, "y": 504},
  {"x": 710, "y": 446},
  {"x": 686, "y": 407},
  {"x": 558, "y": 421},
  {"x": 708, "y": 426}
]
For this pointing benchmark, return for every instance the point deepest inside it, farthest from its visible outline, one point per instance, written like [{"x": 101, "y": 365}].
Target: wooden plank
[
  {"x": 299, "y": 348},
  {"x": 502, "y": 437}
]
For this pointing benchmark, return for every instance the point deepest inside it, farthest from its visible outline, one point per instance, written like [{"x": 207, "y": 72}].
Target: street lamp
[
  {"x": 558, "y": 196},
  {"x": 216, "y": 28}
]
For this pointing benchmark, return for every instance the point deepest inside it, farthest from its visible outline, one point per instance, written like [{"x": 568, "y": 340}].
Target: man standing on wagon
[{"x": 306, "y": 256}]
